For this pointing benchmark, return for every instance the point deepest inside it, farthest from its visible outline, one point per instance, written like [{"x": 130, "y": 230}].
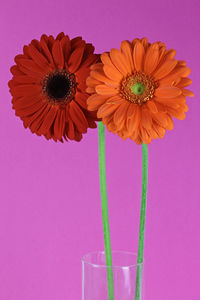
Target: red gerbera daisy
[{"x": 49, "y": 89}]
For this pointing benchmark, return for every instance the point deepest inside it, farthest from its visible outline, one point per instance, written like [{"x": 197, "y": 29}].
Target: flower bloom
[
  {"x": 49, "y": 88},
  {"x": 138, "y": 89}
]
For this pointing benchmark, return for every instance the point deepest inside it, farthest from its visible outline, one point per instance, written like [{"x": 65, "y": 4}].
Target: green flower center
[{"x": 138, "y": 88}]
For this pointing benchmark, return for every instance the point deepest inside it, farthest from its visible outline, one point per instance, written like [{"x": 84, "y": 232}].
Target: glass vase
[{"x": 100, "y": 282}]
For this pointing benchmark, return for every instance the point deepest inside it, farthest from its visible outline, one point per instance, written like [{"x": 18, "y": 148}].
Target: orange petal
[
  {"x": 145, "y": 137},
  {"x": 184, "y": 82},
  {"x": 167, "y": 92},
  {"x": 178, "y": 114},
  {"x": 146, "y": 119},
  {"x": 105, "y": 58},
  {"x": 151, "y": 58},
  {"x": 145, "y": 43},
  {"x": 106, "y": 90},
  {"x": 106, "y": 110},
  {"x": 99, "y": 75},
  {"x": 112, "y": 73},
  {"x": 170, "y": 54},
  {"x": 134, "y": 121},
  {"x": 90, "y": 90},
  {"x": 170, "y": 102},
  {"x": 180, "y": 71},
  {"x": 96, "y": 67},
  {"x": 119, "y": 61},
  {"x": 119, "y": 117},
  {"x": 152, "y": 106},
  {"x": 185, "y": 107},
  {"x": 138, "y": 56},
  {"x": 126, "y": 50},
  {"x": 171, "y": 80},
  {"x": 95, "y": 101},
  {"x": 161, "y": 119},
  {"x": 164, "y": 69},
  {"x": 162, "y": 52},
  {"x": 187, "y": 93},
  {"x": 91, "y": 82},
  {"x": 131, "y": 111},
  {"x": 160, "y": 131}
]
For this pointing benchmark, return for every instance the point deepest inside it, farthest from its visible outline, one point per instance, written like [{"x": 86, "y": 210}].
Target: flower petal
[
  {"x": 187, "y": 93},
  {"x": 151, "y": 58},
  {"x": 46, "y": 51},
  {"x": 99, "y": 75},
  {"x": 119, "y": 61},
  {"x": 113, "y": 73},
  {"x": 119, "y": 117},
  {"x": 138, "y": 56},
  {"x": 81, "y": 99},
  {"x": 105, "y": 58},
  {"x": 48, "y": 120},
  {"x": 66, "y": 48},
  {"x": 126, "y": 50},
  {"x": 167, "y": 92},
  {"x": 184, "y": 82},
  {"x": 146, "y": 118},
  {"x": 152, "y": 106},
  {"x": 78, "y": 117},
  {"x": 75, "y": 59},
  {"x": 105, "y": 90},
  {"x": 58, "y": 54},
  {"x": 161, "y": 119},
  {"x": 134, "y": 120},
  {"x": 106, "y": 110},
  {"x": 38, "y": 58},
  {"x": 95, "y": 101},
  {"x": 164, "y": 69}
]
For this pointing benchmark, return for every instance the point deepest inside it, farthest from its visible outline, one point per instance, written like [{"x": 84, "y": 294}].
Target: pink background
[{"x": 50, "y": 212}]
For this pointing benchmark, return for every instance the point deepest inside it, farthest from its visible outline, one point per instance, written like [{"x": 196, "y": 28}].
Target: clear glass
[{"x": 125, "y": 270}]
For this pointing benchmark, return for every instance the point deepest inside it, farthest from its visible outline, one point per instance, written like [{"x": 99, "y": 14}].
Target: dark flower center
[{"x": 58, "y": 86}]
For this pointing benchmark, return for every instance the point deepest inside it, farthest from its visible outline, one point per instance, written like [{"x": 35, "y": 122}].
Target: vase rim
[{"x": 125, "y": 266}]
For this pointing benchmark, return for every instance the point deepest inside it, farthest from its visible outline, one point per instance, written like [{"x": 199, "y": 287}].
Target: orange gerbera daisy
[
  {"x": 49, "y": 89},
  {"x": 137, "y": 89}
]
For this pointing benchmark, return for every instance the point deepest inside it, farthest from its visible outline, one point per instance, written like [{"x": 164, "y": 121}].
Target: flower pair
[{"x": 60, "y": 88}]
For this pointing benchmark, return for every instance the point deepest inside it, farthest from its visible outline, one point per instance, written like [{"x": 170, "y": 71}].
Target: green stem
[
  {"x": 104, "y": 204},
  {"x": 142, "y": 221}
]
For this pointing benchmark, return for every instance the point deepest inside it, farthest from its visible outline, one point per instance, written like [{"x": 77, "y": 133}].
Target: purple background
[{"x": 50, "y": 212}]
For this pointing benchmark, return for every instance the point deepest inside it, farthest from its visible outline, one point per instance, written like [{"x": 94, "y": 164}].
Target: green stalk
[
  {"x": 142, "y": 221},
  {"x": 104, "y": 204}
]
